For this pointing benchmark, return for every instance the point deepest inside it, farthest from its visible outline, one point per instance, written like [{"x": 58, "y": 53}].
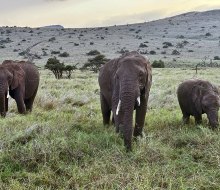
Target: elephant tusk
[
  {"x": 8, "y": 93},
  {"x": 139, "y": 100},
  {"x": 118, "y": 107}
]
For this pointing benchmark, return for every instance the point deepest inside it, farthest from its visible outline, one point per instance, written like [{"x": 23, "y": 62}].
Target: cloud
[{"x": 132, "y": 18}]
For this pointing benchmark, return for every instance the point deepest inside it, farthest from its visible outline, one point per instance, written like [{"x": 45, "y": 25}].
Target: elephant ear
[
  {"x": 9, "y": 76},
  {"x": 149, "y": 78},
  {"x": 17, "y": 73},
  {"x": 197, "y": 98}
]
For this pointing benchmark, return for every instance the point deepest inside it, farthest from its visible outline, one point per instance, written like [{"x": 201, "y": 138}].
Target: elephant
[
  {"x": 125, "y": 84},
  {"x": 20, "y": 80},
  {"x": 196, "y": 97}
]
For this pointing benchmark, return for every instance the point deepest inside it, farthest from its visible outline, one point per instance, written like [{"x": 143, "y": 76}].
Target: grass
[{"x": 62, "y": 144}]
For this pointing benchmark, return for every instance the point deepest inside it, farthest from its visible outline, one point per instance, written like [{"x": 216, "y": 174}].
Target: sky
[{"x": 94, "y": 13}]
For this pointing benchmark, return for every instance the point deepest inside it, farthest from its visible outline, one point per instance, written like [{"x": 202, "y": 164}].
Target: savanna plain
[{"x": 63, "y": 144}]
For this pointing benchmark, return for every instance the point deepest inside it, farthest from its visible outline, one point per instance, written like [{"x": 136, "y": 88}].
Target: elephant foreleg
[
  {"x": 198, "y": 119},
  {"x": 106, "y": 111},
  {"x": 140, "y": 117}
]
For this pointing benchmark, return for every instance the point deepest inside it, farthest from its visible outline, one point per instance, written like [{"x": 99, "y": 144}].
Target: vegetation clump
[
  {"x": 175, "y": 52},
  {"x": 158, "y": 64},
  {"x": 54, "y": 65},
  {"x": 142, "y": 45},
  {"x": 93, "y": 52},
  {"x": 167, "y": 44},
  {"x": 94, "y": 64},
  {"x": 64, "y": 54},
  {"x": 216, "y": 58}
]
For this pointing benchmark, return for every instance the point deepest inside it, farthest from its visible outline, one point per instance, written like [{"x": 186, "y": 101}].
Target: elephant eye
[{"x": 141, "y": 77}]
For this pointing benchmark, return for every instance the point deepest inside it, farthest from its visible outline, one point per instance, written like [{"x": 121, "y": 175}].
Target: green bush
[
  {"x": 93, "y": 52},
  {"x": 216, "y": 58},
  {"x": 158, "y": 64}
]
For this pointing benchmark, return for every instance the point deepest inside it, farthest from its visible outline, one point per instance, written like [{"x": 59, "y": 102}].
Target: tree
[
  {"x": 69, "y": 69},
  {"x": 55, "y": 66},
  {"x": 95, "y": 63}
]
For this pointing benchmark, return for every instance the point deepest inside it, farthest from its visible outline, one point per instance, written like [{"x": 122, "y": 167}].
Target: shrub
[
  {"x": 95, "y": 63},
  {"x": 93, "y": 52},
  {"x": 142, "y": 45},
  {"x": 122, "y": 51},
  {"x": 175, "y": 52},
  {"x": 52, "y": 39},
  {"x": 158, "y": 64},
  {"x": 208, "y": 34},
  {"x": 64, "y": 54},
  {"x": 168, "y": 44},
  {"x": 55, "y": 52},
  {"x": 69, "y": 69},
  {"x": 216, "y": 58},
  {"x": 152, "y": 52}
]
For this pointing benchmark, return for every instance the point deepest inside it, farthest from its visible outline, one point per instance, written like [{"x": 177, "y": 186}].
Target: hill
[{"x": 179, "y": 40}]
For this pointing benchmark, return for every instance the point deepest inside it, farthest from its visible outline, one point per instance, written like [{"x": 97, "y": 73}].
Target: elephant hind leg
[
  {"x": 106, "y": 111},
  {"x": 186, "y": 118},
  {"x": 29, "y": 102}
]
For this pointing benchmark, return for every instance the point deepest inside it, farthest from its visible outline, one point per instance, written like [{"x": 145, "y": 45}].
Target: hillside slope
[{"x": 190, "y": 37}]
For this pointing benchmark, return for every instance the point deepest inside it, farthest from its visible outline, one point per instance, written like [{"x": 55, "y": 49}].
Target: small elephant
[
  {"x": 20, "y": 80},
  {"x": 125, "y": 84},
  {"x": 197, "y": 97}
]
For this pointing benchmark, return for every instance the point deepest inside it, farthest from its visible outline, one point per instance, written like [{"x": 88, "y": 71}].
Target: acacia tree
[
  {"x": 95, "y": 63},
  {"x": 69, "y": 69},
  {"x": 54, "y": 65}
]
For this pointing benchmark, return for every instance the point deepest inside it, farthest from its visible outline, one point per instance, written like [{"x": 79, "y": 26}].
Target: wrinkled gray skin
[
  {"x": 20, "y": 80},
  {"x": 125, "y": 79},
  {"x": 197, "y": 97}
]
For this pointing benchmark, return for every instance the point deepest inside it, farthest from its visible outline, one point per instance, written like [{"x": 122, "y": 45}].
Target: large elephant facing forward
[
  {"x": 124, "y": 86},
  {"x": 197, "y": 97},
  {"x": 20, "y": 80}
]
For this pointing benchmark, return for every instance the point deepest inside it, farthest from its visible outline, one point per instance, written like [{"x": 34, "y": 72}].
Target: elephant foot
[{"x": 3, "y": 114}]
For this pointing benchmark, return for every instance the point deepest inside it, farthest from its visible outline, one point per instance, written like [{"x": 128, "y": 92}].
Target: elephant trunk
[
  {"x": 213, "y": 118},
  {"x": 128, "y": 98},
  {"x": 2, "y": 104}
]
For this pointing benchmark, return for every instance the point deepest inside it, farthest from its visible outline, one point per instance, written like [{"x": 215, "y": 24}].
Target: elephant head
[
  {"x": 132, "y": 82},
  {"x": 207, "y": 100},
  {"x": 10, "y": 78}
]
